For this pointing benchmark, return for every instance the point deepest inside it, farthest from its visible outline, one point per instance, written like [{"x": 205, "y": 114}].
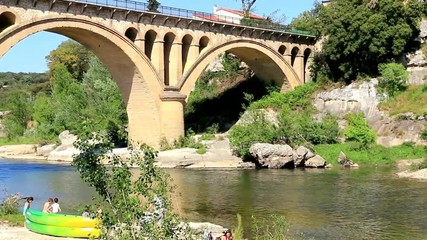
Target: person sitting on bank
[
  {"x": 54, "y": 208},
  {"x": 47, "y": 205}
]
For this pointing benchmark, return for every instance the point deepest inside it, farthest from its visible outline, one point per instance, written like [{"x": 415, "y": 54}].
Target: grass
[
  {"x": 414, "y": 100},
  {"x": 419, "y": 166},
  {"x": 374, "y": 155},
  {"x": 23, "y": 140},
  {"x": 12, "y": 219}
]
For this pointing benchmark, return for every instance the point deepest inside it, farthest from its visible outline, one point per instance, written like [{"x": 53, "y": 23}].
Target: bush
[
  {"x": 255, "y": 129},
  {"x": 394, "y": 79},
  {"x": 136, "y": 204},
  {"x": 10, "y": 204},
  {"x": 358, "y": 130}
]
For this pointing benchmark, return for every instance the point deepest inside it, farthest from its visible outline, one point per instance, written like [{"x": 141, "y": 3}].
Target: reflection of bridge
[{"x": 156, "y": 58}]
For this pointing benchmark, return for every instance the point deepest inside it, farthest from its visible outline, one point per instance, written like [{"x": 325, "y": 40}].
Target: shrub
[
  {"x": 255, "y": 129},
  {"x": 394, "y": 79},
  {"x": 358, "y": 130},
  {"x": 10, "y": 204},
  {"x": 136, "y": 204}
]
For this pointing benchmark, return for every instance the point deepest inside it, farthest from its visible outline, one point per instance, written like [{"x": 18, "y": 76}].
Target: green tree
[
  {"x": 73, "y": 56},
  {"x": 105, "y": 108},
  {"x": 394, "y": 79},
  {"x": 71, "y": 99},
  {"x": 136, "y": 201},
  {"x": 153, "y": 5},
  {"x": 309, "y": 20},
  {"x": 361, "y": 35},
  {"x": 20, "y": 106}
]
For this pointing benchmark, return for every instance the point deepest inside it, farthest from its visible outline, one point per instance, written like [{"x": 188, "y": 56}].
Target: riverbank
[
  {"x": 404, "y": 166},
  {"x": 21, "y": 233},
  {"x": 218, "y": 155}
]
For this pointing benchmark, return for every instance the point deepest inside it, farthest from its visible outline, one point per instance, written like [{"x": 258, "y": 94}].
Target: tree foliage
[
  {"x": 136, "y": 201},
  {"x": 358, "y": 130},
  {"x": 153, "y": 5},
  {"x": 360, "y": 34},
  {"x": 309, "y": 20},
  {"x": 73, "y": 56},
  {"x": 394, "y": 79}
]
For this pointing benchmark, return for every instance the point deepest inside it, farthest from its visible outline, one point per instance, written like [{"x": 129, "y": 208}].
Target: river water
[{"x": 366, "y": 203}]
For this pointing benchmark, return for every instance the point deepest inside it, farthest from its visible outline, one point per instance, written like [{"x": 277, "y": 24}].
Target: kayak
[
  {"x": 61, "y": 220},
  {"x": 63, "y": 231},
  {"x": 61, "y": 225}
]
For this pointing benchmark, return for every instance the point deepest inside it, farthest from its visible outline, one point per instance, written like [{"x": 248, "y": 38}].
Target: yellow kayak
[{"x": 62, "y": 225}]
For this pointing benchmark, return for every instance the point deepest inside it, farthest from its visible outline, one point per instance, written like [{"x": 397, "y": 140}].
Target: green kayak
[
  {"x": 61, "y": 220},
  {"x": 62, "y": 231}
]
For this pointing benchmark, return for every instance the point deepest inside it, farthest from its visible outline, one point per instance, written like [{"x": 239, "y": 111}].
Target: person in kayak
[
  {"x": 54, "y": 208},
  {"x": 27, "y": 204},
  {"x": 47, "y": 205}
]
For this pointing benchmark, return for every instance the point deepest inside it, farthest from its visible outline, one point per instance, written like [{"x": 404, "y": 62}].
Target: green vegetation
[
  {"x": 419, "y": 166},
  {"x": 358, "y": 130},
  {"x": 361, "y": 35},
  {"x": 393, "y": 80},
  {"x": 9, "y": 213},
  {"x": 309, "y": 20},
  {"x": 86, "y": 94},
  {"x": 220, "y": 97},
  {"x": 274, "y": 227},
  {"x": 294, "y": 125},
  {"x": 137, "y": 201},
  {"x": 413, "y": 100},
  {"x": 375, "y": 154}
]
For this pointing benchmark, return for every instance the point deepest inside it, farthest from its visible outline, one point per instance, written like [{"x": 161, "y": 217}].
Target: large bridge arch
[
  {"x": 267, "y": 63},
  {"x": 133, "y": 72}
]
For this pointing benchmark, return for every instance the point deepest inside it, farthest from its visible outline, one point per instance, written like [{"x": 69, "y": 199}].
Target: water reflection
[{"x": 323, "y": 204}]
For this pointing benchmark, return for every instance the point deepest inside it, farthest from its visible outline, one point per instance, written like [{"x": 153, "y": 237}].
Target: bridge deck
[{"x": 190, "y": 14}]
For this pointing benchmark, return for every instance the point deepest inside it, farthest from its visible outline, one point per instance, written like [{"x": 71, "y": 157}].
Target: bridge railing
[{"x": 190, "y": 14}]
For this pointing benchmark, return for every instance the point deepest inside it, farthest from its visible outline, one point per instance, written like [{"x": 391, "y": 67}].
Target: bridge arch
[
  {"x": 125, "y": 61},
  {"x": 265, "y": 61}
]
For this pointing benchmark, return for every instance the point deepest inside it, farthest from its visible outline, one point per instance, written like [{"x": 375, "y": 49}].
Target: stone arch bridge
[{"x": 156, "y": 57}]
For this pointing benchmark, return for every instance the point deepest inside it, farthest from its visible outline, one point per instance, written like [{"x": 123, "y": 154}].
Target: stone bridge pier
[{"x": 156, "y": 58}]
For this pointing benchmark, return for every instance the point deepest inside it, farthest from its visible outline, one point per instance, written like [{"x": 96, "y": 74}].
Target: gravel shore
[{"x": 21, "y": 233}]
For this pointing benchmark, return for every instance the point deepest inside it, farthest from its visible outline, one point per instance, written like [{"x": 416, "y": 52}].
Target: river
[{"x": 366, "y": 203}]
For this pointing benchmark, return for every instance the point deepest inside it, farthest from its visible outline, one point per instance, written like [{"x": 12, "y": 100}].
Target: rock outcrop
[
  {"x": 283, "y": 156},
  {"x": 66, "y": 150},
  {"x": 363, "y": 97},
  {"x": 345, "y": 161},
  {"x": 416, "y": 62}
]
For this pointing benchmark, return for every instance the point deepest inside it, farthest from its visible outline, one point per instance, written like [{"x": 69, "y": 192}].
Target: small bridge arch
[{"x": 267, "y": 63}]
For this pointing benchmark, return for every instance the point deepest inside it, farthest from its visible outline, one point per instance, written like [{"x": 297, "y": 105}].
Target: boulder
[
  {"x": 315, "y": 162},
  {"x": 45, "y": 150},
  {"x": 345, "y": 161},
  {"x": 273, "y": 155},
  {"x": 66, "y": 138},
  {"x": 302, "y": 154}
]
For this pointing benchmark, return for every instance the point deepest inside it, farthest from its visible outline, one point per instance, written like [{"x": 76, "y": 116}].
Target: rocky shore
[{"x": 22, "y": 233}]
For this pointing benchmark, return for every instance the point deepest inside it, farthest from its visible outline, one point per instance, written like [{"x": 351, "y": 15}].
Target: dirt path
[{"x": 21, "y": 233}]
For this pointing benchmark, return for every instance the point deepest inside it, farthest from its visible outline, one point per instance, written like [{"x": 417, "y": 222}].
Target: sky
[{"x": 29, "y": 54}]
